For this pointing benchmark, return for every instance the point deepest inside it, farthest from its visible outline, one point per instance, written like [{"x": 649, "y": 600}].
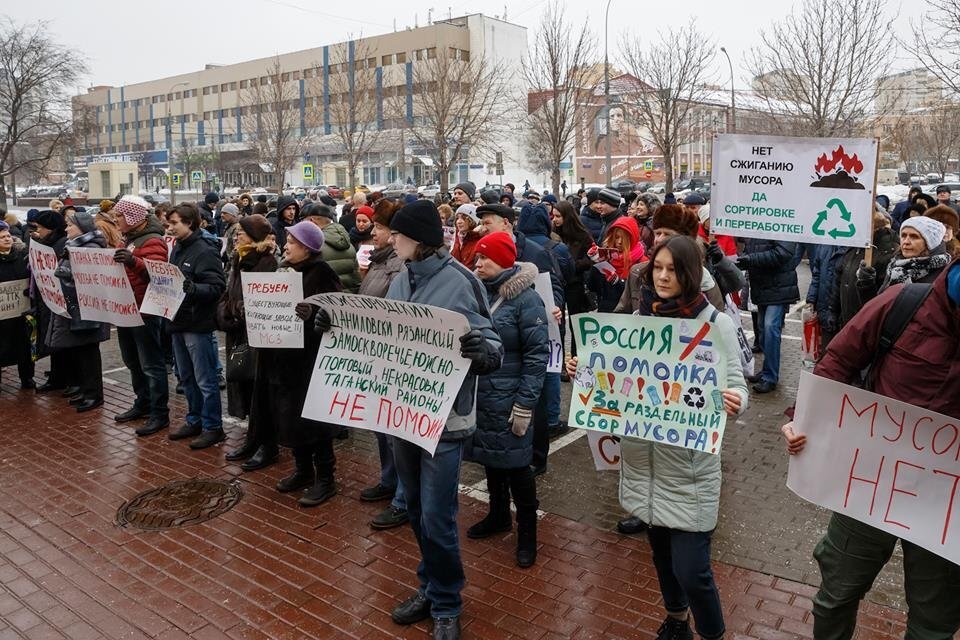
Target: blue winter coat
[
  {"x": 823, "y": 266},
  {"x": 521, "y": 320},
  {"x": 534, "y": 223},
  {"x": 593, "y": 222}
]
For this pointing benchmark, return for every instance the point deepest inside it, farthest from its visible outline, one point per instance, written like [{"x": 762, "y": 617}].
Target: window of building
[
  {"x": 264, "y": 80},
  {"x": 223, "y": 86},
  {"x": 214, "y": 89},
  {"x": 452, "y": 53},
  {"x": 371, "y": 63},
  {"x": 233, "y": 86},
  {"x": 206, "y": 91},
  {"x": 178, "y": 95},
  {"x": 465, "y": 55},
  {"x": 387, "y": 60},
  {"x": 244, "y": 84},
  {"x": 285, "y": 77},
  {"x": 401, "y": 57},
  {"x": 307, "y": 73},
  {"x": 296, "y": 75},
  {"x": 431, "y": 53}
]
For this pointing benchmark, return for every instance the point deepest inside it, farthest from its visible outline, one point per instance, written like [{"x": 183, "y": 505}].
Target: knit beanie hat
[
  {"x": 32, "y": 215},
  {"x": 410, "y": 198},
  {"x": 931, "y": 230},
  {"x": 4, "y": 226},
  {"x": 670, "y": 198},
  {"x": 308, "y": 234},
  {"x": 256, "y": 226},
  {"x": 133, "y": 209},
  {"x": 230, "y": 209},
  {"x": 674, "y": 216},
  {"x": 694, "y": 198},
  {"x": 468, "y": 188},
  {"x": 552, "y": 199},
  {"x": 364, "y": 210},
  {"x": 83, "y": 221},
  {"x": 470, "y": 211},
  {"x": 609, "y": 196},
  {"x": 211, "y": 198},
  {"x": 499, "y": 247},
  {"x": 704, "y": 213},
  {"x": 419, "y": 221},
  {"x": 592, "y": 194}
]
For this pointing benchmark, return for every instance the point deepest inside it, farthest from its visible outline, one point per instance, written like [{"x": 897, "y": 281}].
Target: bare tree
[
  {"x": 674, "y": 73},
  {"x": 940, "y": 136},
  {"x": 819, "y": 66},
  {"x": 902, "y": 136},
  {"x": 353, "y": 112},
  {"x": 936, "y": 41},
  {"x": 457, "y": 104},
  {"x": 37, "y": 76},
  {"x": 557, "y": 75},
  {"x": 276, "y": 139}
]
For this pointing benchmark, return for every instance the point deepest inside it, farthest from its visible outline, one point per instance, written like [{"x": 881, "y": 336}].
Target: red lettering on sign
[
  {"x": 893, "y": 490},
  {"x": 953, "y": 494},
  {"x": 851, "y": 478}
]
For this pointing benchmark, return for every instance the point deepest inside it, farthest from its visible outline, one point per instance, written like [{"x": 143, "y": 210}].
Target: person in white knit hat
[{"x": 920, "y": 258}]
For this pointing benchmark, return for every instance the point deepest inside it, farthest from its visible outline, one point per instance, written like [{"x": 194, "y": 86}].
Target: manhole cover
[{"x": 179, "y": 504}]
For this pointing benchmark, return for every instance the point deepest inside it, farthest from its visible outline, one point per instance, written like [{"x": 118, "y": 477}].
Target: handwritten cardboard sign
[
  {"x": 12, "y": 301},
  {"x": 103, "y": 290},
  {"x": 268, "y": 302},
  {"x": 605, "y": 449},
  {"x": 884, "y": 462},
  {"x": 388, "y": 366},
  {"x": 544, "y": 288},
  {"x": 43, "y": 262},
  {"x": 657, "y": 379},
  {"x": 164, "y": 294}
]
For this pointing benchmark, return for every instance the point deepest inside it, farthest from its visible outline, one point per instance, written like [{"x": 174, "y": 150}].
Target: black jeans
[
  {"x": 320, "y": 454},
  {"x": 541, "y": 430},
  {"x": 682, "y": 560},
  {"x": 85, "y": 370},
  {"x": 518, "y": 482},
  {"x": 142, "y": 351}
]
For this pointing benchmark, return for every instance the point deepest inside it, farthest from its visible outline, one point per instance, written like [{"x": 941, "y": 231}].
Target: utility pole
[
  {"x": 170, "y": 165},
  {"x": 733, "y": 95},
  {"x": 606, "y": 85}
]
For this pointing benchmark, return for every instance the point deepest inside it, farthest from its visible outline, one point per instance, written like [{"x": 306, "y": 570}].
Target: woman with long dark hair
[{"x": 571, "y": 232}]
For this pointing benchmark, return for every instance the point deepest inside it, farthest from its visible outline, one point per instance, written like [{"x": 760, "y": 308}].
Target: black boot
[
  {"x": 326, "y": 485},
  {"x": 498, "y": 520},
  {"x": 265, "y": 456},
  {"x": 246, "y": 450},
  {"x": 526, "y": 536},
  {"x": 302, "y": 475}
]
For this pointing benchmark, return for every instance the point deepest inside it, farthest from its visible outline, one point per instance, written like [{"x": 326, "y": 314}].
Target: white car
[{"x": 429, "y": 191}]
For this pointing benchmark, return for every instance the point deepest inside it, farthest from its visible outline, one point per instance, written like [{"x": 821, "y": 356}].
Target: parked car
[
  {"x": 623, "y": 187},
  {"x": 659, "y": 188},
  {"x": 334, "y": 191},
  {"x": 398, "y": 190},
  {"x": 360, "y": 187},
  {"x": 429, "y": 191}
]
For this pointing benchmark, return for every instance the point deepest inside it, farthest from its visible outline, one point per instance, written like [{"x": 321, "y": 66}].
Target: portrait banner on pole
[
  {"x": 165, "y": 293},
  {"x": 388, "y": 366},
  {"x": 657, "y": 379},
  {"x": 268, "y": 302},
  {"x": 103, "y": 290},
  {"x": 12, "y": 301},
  {"x": 884, "y": 462},
  {"x": 43, "y": 262}
]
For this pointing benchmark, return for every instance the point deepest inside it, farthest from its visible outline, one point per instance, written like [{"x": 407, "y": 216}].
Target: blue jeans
[
  {"x": 216, "y": 350},
  {"x": 142, "y": 351},
  {"x": 388, "y": 470},
  {"x": 682, "y": 560},
  {"x": 771, "y": 319},
  {"x": 431, "y": 485},
  {"x": 551, "y": 389},
  {"x": 197, "y": 364}
]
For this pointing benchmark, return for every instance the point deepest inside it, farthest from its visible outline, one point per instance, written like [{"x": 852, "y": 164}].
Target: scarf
[
  {"x": 653, "y": 305},
  {"x": 915, "y": 269},
  {"x": 622, "y": 265}
]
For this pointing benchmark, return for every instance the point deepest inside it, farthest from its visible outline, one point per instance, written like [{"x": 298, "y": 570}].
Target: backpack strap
[{"x": 901, "y": 312}]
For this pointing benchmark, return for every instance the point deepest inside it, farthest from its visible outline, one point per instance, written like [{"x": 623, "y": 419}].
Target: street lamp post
[
  {"x": 733, "y": 97},
  {"x": 169, "y": 136},
  {"x": 606, "y": 85}
]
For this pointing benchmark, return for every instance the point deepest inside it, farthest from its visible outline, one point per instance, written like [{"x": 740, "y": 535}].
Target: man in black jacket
[
  {"x": 772, "y": 267},
  {"x": 192, "y": 327}
]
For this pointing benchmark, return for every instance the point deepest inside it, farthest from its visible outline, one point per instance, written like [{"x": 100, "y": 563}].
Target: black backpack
[{"x": 899, "y": 315}]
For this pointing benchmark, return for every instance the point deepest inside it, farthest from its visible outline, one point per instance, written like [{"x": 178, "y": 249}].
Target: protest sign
[
  {"x": 884, "y": 462},
  {"x": 164, "y": 294},
  {"x": 268, "y": 302},
  {"x": 388, "y": 366},
  {"x": 817, "y": 190},
  {"x": 363, "y": 255},
  {"x": 170, "y": 241},
  {"x": 12, "y": 301},
  {"x": 544, "y": 287},
  {"x": 103, "y": 290},
  {"x": 449, "y": 233},
  {"x": 43, "y": 262},
  {"x": 605, "y": 449},
  {"x": 658, "y": 379}
]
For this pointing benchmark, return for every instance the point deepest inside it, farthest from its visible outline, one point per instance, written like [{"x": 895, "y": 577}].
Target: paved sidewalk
[{"x": 270, "y": 569}]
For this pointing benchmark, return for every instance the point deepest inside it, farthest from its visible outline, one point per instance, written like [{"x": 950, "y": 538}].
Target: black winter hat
[
  {"x": 490, "y": 197},
  {"x": 502, "y": 210},
  {"x": 262, "y": 198},
  {"x": 327, "y": 200},
  {"x": 50, "y": 219},
  {"x": 468, "y": 188},
  {"x": 610, "y": 197},
  {"x": 592, "y": 194},
  {"x": 419, "y": 221},
  {"x": 211, "y": 198}
]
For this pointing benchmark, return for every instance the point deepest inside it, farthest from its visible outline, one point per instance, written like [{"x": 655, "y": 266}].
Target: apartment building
[{"x": 214, "y": 108}]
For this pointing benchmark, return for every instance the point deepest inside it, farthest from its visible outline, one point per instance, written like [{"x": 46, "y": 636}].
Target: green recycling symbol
[{"x": 844, "y": 215}]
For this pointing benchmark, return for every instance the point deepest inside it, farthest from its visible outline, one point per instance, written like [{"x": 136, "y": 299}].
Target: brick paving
[{"x": 270, "y": 569}]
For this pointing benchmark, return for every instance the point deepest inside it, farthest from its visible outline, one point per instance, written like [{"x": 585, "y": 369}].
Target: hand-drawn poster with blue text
[{"x": 657, "y": 379}]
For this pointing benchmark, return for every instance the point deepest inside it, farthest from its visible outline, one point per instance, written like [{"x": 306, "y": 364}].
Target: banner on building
[
  {"x": 816, "y": 190},
  {"x": 164, "y": 294},
  {"x": 13, "y": 303},
  {"x": 388, "y": 366},
  {"x": 43, "y": 262},
  {"x": 884, "y": 462},
  {"x": 103, "y": 290},
  {"x": 544, "y": 288},
  {"x": 657, "y": 379},
  {"x": 268, "y": 306}
]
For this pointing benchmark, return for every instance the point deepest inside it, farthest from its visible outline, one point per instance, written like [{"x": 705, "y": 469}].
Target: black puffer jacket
[
  {"x": 15, "y": 344},
  {"x": 846, "y": 299},
  {"x": 199, "y": 260},
  {"x": 772, "y": 266}
]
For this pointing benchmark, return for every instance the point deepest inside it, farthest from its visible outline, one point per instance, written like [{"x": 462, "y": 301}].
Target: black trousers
[{"x": 85, "y": 370}]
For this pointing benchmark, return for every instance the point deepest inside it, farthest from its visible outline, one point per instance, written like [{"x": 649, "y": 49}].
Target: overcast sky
[{"x": 125, "y": 42}]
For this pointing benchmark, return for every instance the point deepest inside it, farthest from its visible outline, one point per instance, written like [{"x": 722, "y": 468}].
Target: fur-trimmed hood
[{"x": 514, "y": 281}]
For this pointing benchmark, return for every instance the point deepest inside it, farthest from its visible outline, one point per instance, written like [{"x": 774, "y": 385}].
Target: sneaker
[
  {"x": 377, "y": 493},
  {"x": 389, "y": 518},
  {"x": 674, "y": 629}
]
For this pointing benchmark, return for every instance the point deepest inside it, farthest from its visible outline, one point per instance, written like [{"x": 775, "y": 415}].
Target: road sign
[
  {"x": 196, "y": 176},
  {"x": 648, "y": 174},
  {"x": 648, "y": 165},
  {"x": 308, "y": 172},
  {"x": 176, "y": 178}
]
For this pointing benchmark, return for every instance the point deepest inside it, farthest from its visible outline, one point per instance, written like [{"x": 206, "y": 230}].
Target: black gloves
[
  {"x": 866, "y": 274},
  {"x": 321, "y": 323},
  {"x": 473, "y": 346},
  {"x": 189, "y": 287},
  {"x": 125, "y": 256},
  {"x": 714, "y": 252},
  {"x": 303, "y": 310}
]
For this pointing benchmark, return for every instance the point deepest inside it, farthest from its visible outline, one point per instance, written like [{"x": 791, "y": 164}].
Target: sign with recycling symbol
[{"x": 837, "y": 214}]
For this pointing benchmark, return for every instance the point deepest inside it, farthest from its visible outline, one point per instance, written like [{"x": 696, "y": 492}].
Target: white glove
[{"x": 520, "y": 419}]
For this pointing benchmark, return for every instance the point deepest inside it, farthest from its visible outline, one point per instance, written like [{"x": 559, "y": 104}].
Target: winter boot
[
  {"x": 325, "y": 486},
  {"x": 302, "y": 475},
  {"x": 526, "y": 536},
  {"x": 498, "y": 520}
]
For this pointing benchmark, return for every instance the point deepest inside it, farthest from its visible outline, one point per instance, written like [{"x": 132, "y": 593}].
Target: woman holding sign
[
  {"x": 15, "y": 345},
  {"x": 503, "y": 442},
  {"x": 676, "y": 491}
]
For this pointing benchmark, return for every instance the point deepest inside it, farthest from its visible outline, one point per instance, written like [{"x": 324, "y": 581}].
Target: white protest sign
[
  {"x": 884, "y": 462},
  {"x": 103, "y": 290},
  {"x": 43, "y": 262},
  {"x": 12, "y": 301},
  {"x": 170, "y": 241},
  {"x": 544, "y": 288},
  {"x": 605, "y": 449},
  {"x": 268, "y": 302},
  {"x": 388, "y": 366},
  {"x": 449, "y": 233},
  {"x": 164, "y": 294},
  {"x": 363, "y": 255},
  {"x": 817, "y": 190}
]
